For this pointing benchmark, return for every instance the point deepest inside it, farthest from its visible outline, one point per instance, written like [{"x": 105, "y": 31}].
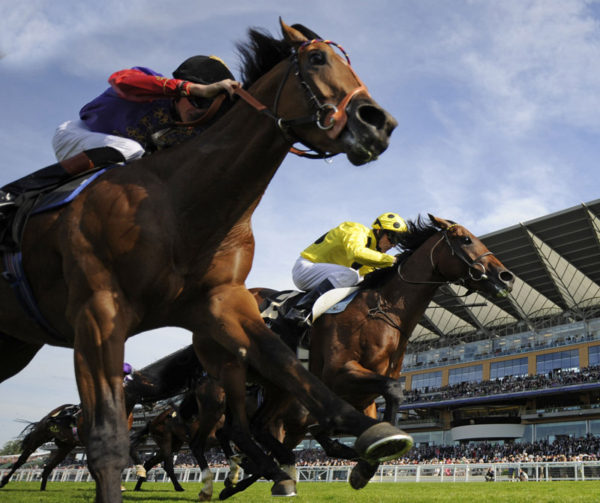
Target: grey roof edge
[{"x": 539, "y": 219}]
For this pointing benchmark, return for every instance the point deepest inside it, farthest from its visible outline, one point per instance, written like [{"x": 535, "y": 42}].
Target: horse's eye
[
  {"x": 466, "y": 240},
  {"x": 317, "y": 58}
]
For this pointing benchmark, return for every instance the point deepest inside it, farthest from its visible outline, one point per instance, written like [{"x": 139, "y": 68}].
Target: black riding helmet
[{"x": 203, "y": 70}]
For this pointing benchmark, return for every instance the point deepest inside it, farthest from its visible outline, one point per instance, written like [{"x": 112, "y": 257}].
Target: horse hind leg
[
  {"x": 34, "y": 439},
  {"x": 60, "y": 455}
]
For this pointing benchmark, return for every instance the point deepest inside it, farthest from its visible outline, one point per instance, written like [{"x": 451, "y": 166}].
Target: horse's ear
[
  {"x": 291, "y": 35},
  {"x": 440, "y": 223}
]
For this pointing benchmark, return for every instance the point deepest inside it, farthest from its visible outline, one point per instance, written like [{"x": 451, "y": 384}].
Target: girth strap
[{"x": 15, "y": 275}]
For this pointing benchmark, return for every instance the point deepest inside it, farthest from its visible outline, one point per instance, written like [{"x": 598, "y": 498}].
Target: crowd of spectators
[
  {"x": 508, "y": 384},
  {"x": 564, "y": 449}
]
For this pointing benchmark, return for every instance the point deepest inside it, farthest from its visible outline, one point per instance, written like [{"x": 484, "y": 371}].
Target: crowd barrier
[{"x": 504, "y": 472}]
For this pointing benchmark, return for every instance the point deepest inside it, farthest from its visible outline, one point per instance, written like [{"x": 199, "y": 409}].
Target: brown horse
[
  {"x": 60, "y": 426},
  {"x": 167, "y": 241},
  {"x": 358, "y": 353}
]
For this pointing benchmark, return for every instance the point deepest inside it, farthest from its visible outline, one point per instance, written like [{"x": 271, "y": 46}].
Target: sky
[{"x": 497, "y": 104}]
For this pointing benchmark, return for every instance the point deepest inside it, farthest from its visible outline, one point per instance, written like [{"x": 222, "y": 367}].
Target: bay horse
[
  {"x": 358, "y": 353},
  {"x": 167, "y": 241},
  {"x": 56, "y": 427}
]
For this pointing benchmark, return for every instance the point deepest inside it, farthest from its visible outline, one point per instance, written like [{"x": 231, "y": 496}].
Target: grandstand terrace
[{"x": 523, "y": 368}]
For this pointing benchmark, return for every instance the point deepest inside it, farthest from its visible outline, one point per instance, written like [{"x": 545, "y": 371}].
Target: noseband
[
  {"x": 473, "y": 265},
  {"x": 328, "y": 117}
]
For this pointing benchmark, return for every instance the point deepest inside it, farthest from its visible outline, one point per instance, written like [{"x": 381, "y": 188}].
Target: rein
[{"x": 474, "y": 264}]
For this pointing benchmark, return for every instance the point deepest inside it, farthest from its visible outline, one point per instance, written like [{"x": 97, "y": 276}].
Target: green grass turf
[{"x": 472, "y": 492}]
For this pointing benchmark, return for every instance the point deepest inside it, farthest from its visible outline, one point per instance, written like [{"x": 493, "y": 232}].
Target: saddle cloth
[{"x": 274, "y": 308}]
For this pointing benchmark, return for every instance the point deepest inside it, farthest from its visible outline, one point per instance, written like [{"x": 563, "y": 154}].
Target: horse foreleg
[
  {"x": 197, "y": 445},
  {"x": 353, "y": 380},
  {"x": 101, "y": 325},
  {"x": 15, "y": 355},
  {"x": 270, "y": 433},
  {"x": 232, "y": 377},
  {"x": 170, "y": 469},
  {"x": 140, "y": 471},
  {"x": 148, "y": 465}
]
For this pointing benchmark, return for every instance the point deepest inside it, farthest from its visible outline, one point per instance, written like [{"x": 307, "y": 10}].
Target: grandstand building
[{"x": 519, "y": 368}]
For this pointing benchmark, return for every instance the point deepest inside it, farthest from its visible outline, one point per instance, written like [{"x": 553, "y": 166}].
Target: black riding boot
[
  {"x": 300, "y": 314},
  {"x": 60, "y": 172}
]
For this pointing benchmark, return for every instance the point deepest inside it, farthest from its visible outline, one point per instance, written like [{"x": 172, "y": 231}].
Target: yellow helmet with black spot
[{"x": 392, "y": 223}]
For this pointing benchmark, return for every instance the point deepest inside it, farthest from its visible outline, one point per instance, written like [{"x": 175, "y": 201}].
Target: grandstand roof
[{"x": 556, "y": 260}]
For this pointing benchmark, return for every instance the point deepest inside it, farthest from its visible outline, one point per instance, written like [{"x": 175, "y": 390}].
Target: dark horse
[
  {"x": 358, "y": 353},
  {"x": 61, "y": 426},
  {"x": 167, "y": 241},
  {"x": 193, "y": 422},
  {"x": 54, "y": 427},
  {"x": 160, "y": 380}
]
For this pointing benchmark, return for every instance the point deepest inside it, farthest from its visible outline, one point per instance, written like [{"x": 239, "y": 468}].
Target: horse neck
[
  {"x": 230, "y": 165},
  {"x": 412, "y": 299}
]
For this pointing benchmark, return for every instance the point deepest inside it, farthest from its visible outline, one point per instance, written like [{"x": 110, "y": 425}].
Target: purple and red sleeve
[{"x": 135, "y": 85}]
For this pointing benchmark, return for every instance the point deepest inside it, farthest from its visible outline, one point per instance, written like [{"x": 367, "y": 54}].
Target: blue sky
[{"x": 497, "y": 104}]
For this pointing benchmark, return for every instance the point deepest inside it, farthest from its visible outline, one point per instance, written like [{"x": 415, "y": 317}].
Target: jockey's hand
[{"x": 212, "y": 90}]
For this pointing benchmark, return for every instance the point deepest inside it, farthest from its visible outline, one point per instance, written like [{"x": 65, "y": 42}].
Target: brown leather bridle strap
[
  {"x": 251, "y": 100},
  {"x": 336, "y": 119}
]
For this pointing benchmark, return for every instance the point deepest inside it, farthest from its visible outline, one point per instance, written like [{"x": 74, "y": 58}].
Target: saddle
[
  {"x": 37, "y": 201},
  {"x": 274, "y": 308},
  {"x": 65, "y": 420}
]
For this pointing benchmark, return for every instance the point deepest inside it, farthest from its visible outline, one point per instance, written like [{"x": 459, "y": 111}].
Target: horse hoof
[
  {"x": 179, "y": 489},
  {"x": 382, "y": 442},
  {"x": 284, "y": 488},
  {"x": 362, "y": 473},
  {"x": 204, "y": 497},
  {"x": 140, "y": 471},
  {"x": 123, "y": 489}
]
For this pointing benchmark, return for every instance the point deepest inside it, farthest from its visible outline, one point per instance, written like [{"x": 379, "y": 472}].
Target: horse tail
[
  {"x": 136, "y": 438},
  {"x": 26, "y": 434}
]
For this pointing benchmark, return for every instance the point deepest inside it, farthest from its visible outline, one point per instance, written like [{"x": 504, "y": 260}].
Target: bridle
[
  {"x": 328, "y": 117},
  {"x": 473, "y": 265}
]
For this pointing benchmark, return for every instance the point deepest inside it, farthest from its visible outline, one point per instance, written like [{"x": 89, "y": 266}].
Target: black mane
[
  {"x": 418, "y": 232},
  {"x": 262, "y": 52}
]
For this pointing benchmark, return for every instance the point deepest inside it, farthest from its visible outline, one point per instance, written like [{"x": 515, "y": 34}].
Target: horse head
[
  {"x": 459, "y": 257},
  {"x": 322, "y": 103}
]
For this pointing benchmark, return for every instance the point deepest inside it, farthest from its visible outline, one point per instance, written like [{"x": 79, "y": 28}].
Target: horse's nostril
[
  {"x": 507, "y": 277},
  {"x": 372, "y": 115}
]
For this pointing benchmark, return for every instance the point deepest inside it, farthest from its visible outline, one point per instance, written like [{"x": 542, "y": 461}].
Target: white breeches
[
  {"x": 307, "y": 275},
  {"x": 73, "y": 137}
]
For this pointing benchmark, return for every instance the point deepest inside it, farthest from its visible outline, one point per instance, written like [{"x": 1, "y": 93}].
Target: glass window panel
[
  {"x": 595, "y": 427},
  {"x": 574, "y": 429}
]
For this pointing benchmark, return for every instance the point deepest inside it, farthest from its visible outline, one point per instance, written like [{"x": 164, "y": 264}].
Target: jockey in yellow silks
[{"x": 341, "y": 258}]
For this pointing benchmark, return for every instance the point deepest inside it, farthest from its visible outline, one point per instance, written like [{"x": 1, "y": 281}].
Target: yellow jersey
[{"x": 351, "y": 245}]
